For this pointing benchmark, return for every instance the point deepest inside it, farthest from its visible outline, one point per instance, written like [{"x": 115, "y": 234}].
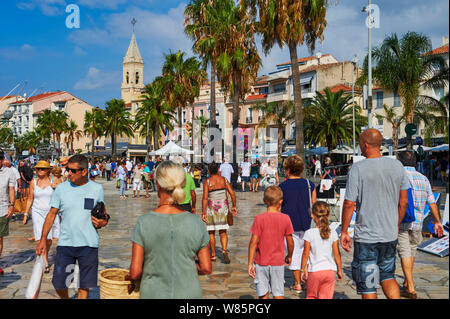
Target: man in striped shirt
[{"x": 410, "y": 234}]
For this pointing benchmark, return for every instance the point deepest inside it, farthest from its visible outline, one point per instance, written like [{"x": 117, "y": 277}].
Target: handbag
[
  {"x": 34, "y": 285},
  {"x": 230, "y": 218},
  {"x": 409, "y": 216},
  {"x": 118, "y": 183},
  {"x": 99, "y": 211}
]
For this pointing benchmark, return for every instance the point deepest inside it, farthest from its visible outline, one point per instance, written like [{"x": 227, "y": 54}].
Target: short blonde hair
[
  {"x": 295, "y": 165},
  {"x": 272, "y": 195},
  {"x": 171, "y": 177}
]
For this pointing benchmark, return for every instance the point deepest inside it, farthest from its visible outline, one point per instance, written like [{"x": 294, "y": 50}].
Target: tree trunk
[
  {"x": 213, "y": 107},
  {"x": 113, "y": 145},
  {"x": 156, "y": 136},
  {"x": 280, "y": 141},
  {"x": 93, "y": 146},
  {"x": 299, "y": 134},
  {"x": 395, "y": 138},
  {"x": 180, "y": 125},
  {"x": 192, "y": 132},
  {"x": 235, "y": 113}
]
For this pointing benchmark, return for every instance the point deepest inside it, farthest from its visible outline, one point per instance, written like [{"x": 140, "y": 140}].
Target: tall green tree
[
  {"x": 401, "y": 65},
  {"x": 6, "y": 137},
  {"x": 155, "y": 114},
  {"x": 72, "y": 132},
  {"x": 118, "y": 122},
  {"x": 396, "y": 120},
  {"x": 200, "y": 30},
  {"x": 182, "y": 79},
  {"x": 279, "y": 115},
  {"x": 434, "y": 114},
  {"x": 291, "y": 23},
  {"x": 94, "y": 125},
  {"x": 52, "y": 124},
  {"x": 204, "y": 124},
  {"x": 238, "y": 62},
  {"x": 329, "y": 119}
]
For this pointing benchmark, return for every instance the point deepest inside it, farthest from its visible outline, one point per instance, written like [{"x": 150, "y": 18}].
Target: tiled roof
[
  {"x": 256, "y": 97},
  {"x": 339, "y": 87},
  {"x": 39, "y": 97},
  {"x": 7, "y": 97},
  {"x": 441, "y": 50},
  {"x": 304, "y": 59}
]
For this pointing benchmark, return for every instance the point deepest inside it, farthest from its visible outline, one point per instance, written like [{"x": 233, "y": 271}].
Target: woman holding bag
[{"x": 215, "y": 209}]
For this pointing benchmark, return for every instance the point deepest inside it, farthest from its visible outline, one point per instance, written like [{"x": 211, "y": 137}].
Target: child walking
[
  {"x": 321, "y": 253},
  {"x": 268, "y": 233}
]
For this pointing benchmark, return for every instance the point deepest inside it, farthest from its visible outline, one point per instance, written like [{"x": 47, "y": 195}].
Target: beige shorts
[{"x": 408, "y": 240}]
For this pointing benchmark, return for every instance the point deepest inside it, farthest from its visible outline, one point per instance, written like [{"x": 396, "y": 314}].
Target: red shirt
[{"x": 271, "y": 228}]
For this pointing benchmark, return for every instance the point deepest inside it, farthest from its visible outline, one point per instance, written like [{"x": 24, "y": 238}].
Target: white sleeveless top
[{"x": 41, "y": 201}]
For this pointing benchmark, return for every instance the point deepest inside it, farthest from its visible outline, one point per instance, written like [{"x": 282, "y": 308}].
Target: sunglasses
[
  {"x": 75, "y": 170},
  {"x": 41, "y": 169}
]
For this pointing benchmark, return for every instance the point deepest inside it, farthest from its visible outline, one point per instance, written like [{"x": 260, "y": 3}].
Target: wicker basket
[{"x": 114, "y": 286}]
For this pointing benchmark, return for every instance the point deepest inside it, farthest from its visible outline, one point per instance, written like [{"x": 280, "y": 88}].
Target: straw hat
[
  {"x": 42, "y": 164},
  {"x": 63, "y": 160}
]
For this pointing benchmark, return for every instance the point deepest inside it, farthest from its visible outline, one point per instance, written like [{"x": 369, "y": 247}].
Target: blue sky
[{"x": 36, "y": 46}]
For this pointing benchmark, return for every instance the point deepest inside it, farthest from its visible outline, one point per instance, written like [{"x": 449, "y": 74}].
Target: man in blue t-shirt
[
  {"x": 150, "y": 165},
  {"x": 74, "y": 200},
  {"x": 113, "y": 169}
]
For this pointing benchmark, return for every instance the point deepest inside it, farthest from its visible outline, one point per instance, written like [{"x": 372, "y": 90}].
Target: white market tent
[
  {"x": 415, "y": 147},
  {"x": 172, "y": 149},
  {"x": 440, "y": 148},
  {"x": 343, "y": 149}
]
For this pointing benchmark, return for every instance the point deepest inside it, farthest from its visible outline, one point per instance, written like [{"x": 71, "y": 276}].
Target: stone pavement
[{"x": 431, "y": 273}]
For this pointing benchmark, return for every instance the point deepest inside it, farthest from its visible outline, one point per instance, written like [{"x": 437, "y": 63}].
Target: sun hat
[
  {"x": 63, "y": 160},
  {"x": 42, "y": 164}
]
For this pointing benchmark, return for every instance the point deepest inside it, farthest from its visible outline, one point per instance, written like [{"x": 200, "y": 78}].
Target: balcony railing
[{"x": 249, "y": 120}]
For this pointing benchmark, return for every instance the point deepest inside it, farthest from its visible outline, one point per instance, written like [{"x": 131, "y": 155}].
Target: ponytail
[{"x": 321, "y": 210}]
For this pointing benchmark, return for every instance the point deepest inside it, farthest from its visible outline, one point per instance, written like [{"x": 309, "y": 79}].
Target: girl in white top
[
  {"x": 321, "y": 258},
  {"x": 41, "y": 191}
]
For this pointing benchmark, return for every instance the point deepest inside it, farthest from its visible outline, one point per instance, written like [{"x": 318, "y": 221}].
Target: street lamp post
[{"x": 368, "y": 9}]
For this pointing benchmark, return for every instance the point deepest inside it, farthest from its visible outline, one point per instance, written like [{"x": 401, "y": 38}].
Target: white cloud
[
  {"x": 48, "y": 7},
  {"x": 79, "y": 51},
  {"x": 96, "y": 78},
  {"x": 22, "y": 53}
]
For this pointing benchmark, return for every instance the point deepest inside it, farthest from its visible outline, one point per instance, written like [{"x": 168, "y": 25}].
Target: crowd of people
[{"x": 172, "y": 245}]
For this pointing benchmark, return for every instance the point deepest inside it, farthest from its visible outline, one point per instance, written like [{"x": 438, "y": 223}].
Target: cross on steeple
[{"x": 133, "y": 22}]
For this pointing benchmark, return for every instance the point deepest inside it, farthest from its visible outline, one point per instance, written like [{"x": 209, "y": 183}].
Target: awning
[{"x": 305, "y": 80}]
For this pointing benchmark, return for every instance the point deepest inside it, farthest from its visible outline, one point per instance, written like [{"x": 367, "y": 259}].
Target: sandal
[
  {"x": 295, "y": 288},
  {"x": 226, "y": 258},
  {"x": 47, "y": 269},
  {"x": 213, "y": 258},
  {"x": 408, "y": 294}
]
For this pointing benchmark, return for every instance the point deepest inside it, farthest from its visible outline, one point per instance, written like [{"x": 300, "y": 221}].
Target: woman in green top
[{"x": 166, "y": 242}]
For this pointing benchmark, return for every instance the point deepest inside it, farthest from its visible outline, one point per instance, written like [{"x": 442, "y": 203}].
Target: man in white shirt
[
  {"x": 129, "y": 166},
  {"x": 226, "y": 170},
  {"x": 7, "y": 199},
  {"x": 245, "y": 174}
]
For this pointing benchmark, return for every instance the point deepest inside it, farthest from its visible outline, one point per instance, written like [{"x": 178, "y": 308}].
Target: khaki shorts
[
  {"x": 4, "y": 226},
  {"x": 408, "y": 240}
]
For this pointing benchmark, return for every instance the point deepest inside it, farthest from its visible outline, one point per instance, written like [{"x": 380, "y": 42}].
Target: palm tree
[
  {"x": 31, "y": 141},
  {"x": 155, "y": 114},
  {"x": 278, "y": 114},
  {"x": 291, "y": 23},
  {"x": 329, "y": 119},
  {"x": 204, "y": 124},
  {"x": 52, "y": 124},
  {"x": 434, "y": 114},
  {"x": 94, "y": 125},
  {"x": 402, "y": 64},
  {"x": 395, "y": 120},
  {"x": 6, "y": 136},
  {"x": 117, "y": 122},
  {"x": 72, "y": 133},
  {"x": 181, "y": 80},
  {"x": 199, "y": 29},
  {"x": 238, "y": 62}
]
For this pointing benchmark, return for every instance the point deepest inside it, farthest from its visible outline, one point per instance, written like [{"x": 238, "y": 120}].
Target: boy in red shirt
[{"x": 267, "y": 242}]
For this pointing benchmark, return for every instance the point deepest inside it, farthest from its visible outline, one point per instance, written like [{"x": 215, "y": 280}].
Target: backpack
[
  {"x": 409, "y": 216},
  {"x": 27, "y": 173}
]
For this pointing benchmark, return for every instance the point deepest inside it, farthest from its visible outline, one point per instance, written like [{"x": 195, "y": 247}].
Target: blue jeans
[
  {"x": 373, "y": 264},
  {"x": 123, "y": 187}
]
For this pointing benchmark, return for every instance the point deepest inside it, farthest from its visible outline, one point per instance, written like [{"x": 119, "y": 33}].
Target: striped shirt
[{"x": 422, "y": 194}]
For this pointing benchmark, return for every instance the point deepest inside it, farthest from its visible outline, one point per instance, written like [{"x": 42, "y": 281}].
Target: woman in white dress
[{"x": 41, "y": 192}]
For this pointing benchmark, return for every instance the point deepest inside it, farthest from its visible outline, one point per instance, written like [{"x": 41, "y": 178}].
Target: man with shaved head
[{"x": 377, "y": 187}]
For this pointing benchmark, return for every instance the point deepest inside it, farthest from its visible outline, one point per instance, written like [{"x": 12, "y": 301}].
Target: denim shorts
[
  {"x": 87, "y": 258},
  {"x": 245, "y": 179},
  {"x": 372, "y": 264}
]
